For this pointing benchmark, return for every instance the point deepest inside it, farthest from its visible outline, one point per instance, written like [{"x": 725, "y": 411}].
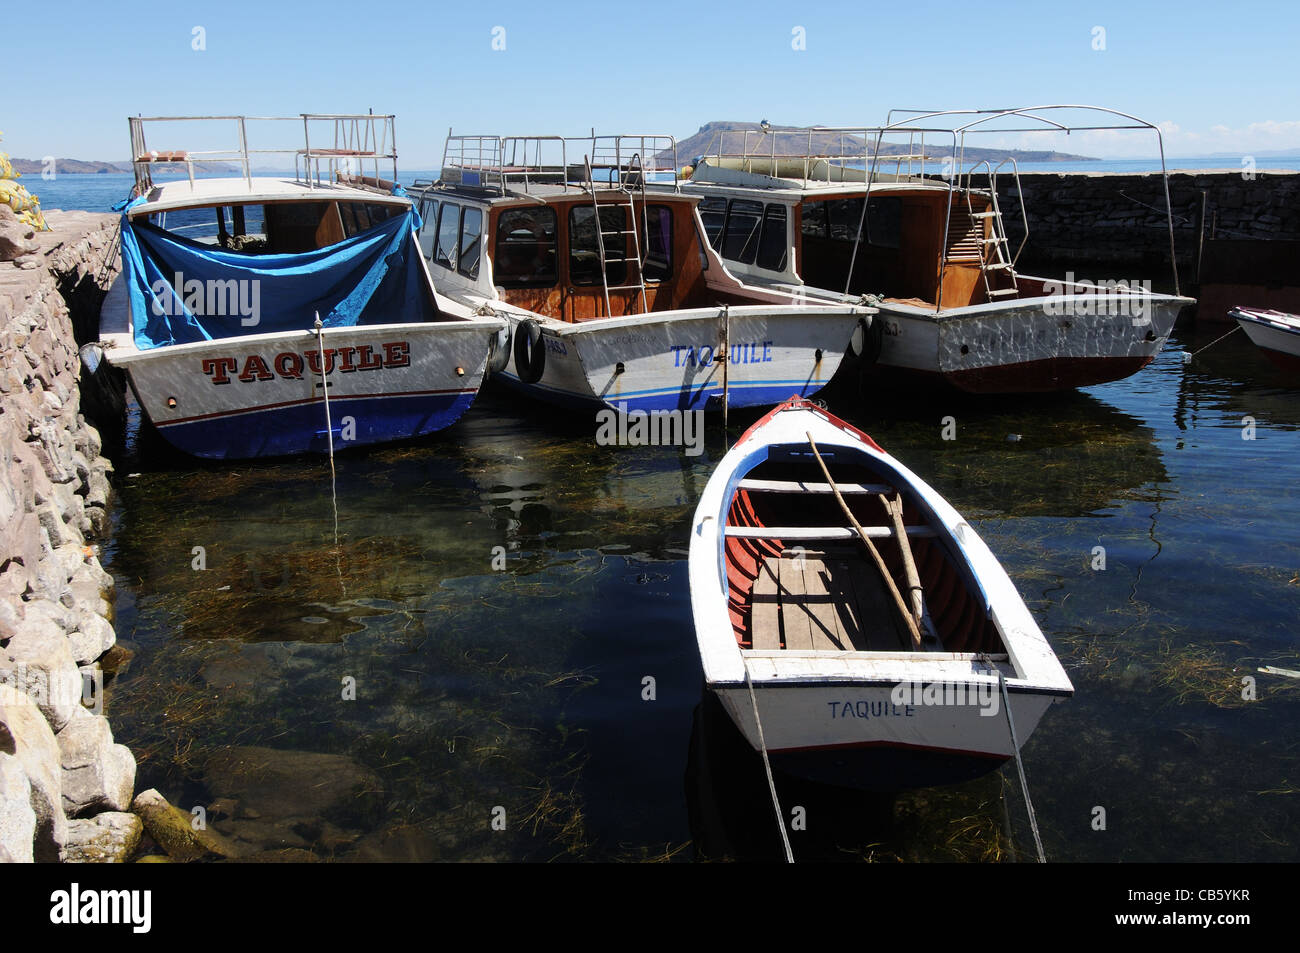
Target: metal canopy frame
[
  {"x": 519, "y": 164},
  {"x": 357, "y": 137},
  {"x": 976, "y": 121},
  {"x": 947, "y": 126}
]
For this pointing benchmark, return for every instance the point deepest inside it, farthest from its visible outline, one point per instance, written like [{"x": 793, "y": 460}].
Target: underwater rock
[
  {"x": 275, "y": 783},
  {"x": 173, "y": 831}
]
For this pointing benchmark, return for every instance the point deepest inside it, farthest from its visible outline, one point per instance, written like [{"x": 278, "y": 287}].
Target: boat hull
[
  {"x": 1028, "y": 346},
  {"x": 855, "y": 735},
  {"x": 1279, "y": 339},
  {"x": 886, "y": 718},
  {"x": 263, "y": 395},
  {"x": 667, "y": 362}
]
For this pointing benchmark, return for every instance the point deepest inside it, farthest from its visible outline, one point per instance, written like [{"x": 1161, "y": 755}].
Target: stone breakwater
[
  {"x": 1118, "y": 219},
  {"x": 66, "y": 787}
]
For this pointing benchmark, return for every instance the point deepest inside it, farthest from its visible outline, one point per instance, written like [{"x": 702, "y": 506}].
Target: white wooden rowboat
[{"x": 855, "y": 684}]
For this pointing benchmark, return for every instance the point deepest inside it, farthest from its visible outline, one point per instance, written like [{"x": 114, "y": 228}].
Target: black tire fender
[
  {"x": 867, "y": 338},
  {"x": 530, "y": 351},
  {"x": 499, "y": 353}
]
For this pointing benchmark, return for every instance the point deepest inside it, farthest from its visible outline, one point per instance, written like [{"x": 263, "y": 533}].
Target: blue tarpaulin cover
[{"x": 371, "y": 278}]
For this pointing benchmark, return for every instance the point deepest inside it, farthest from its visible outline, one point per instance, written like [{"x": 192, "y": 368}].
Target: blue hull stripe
[
  {"x": 300, "y": 427},
  {"x": 758, "y": 394}
]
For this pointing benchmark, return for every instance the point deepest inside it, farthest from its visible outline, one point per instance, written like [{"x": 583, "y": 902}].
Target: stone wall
[
  {"x": 65, "y": 786},
  {"x": 1114, "y": 220}
]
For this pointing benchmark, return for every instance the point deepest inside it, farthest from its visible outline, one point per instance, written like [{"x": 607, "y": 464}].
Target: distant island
[
  {"x": 95, "y": 167},
  {"x": 70, "y": 166},
  {"x": 712, "y": 133}
]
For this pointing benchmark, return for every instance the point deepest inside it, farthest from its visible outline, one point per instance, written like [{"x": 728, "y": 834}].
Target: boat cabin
[
  {"x": 336, "y": 193},
  {"x": 571, "y": 241},
  {"x": 921, "y": 244},
  {"x": 276, "y": 216},
  {"x": 901, "y": 210}
]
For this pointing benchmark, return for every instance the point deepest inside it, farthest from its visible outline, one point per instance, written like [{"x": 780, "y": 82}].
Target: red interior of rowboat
[{"x": 957, "y": 613}]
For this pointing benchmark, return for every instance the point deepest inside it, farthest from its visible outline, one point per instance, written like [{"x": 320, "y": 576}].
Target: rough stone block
[
  {"x": 26, "y": 735},
  {"x": 98, "y": 775}
]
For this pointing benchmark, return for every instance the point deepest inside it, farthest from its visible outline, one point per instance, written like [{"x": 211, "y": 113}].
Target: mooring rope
[
  {"x": 1187, "y": 356},
  {"x": 767, "y": 766},
  {"x": 329, "y": 424},
  {"x": 1020, "y": 767}
]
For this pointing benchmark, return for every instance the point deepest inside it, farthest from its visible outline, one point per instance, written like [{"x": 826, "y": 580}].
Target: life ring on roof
[{"x": 530, "y": 351}]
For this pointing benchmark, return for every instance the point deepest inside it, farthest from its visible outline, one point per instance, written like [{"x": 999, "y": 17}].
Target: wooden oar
[
  {"x": 895, "y": 509},
  {"x": 871, "y": 548}
]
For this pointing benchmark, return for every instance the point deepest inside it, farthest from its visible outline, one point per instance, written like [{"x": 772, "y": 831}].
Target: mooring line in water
[
  {"x": 767, "y": 766},
  {"x": 1187, "y": 356},
  {"x": 1020, "y": 766},
  {"x": 329, "y": 424}
]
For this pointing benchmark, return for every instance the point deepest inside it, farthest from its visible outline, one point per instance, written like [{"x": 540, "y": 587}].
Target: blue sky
[{"x": 1217, "y": 77}]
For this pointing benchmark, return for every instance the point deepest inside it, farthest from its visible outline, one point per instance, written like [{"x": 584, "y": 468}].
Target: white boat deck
[{"x": 183, "y": 193}]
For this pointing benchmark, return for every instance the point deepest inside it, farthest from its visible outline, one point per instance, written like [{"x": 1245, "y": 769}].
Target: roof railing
[
  {"x": 908, "y": 141},
  {"x": 524, "y": 165},
  {"x": 334, "y": 147}
]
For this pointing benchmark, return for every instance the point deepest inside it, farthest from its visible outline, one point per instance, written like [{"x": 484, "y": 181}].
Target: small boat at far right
[{"x": 1276, "y": 333}]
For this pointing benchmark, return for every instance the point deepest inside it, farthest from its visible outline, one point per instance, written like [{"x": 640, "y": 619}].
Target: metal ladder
[
  {"x": 623, "y": 178},
  {"x": 995, "y": 249}
]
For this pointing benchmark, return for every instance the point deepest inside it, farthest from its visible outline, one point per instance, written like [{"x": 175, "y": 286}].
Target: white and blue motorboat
[
  {"x": 269, "y": 315},
  {"x": 613, "y": 295}
]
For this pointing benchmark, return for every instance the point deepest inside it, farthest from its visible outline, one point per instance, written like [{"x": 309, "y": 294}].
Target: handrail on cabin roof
[
  {"x": 962, "y": 121},
  {"x": 520, "y": 163},
  {"x": 357, "y": 138}
]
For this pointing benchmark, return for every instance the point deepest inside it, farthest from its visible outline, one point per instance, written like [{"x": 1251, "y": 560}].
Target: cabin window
[
  {"x": 844, "y": 215},
  {"x": 526, "y": 250},
  {"x": 444, "y": 250},
  {"x": 773, "y": 243},
  {"x": 740, "y": 236},
  {"x": 428, "y": 215},
  {"x": 471, "y": 234},
  {"x": 240, "y": 228},
  {"x": 658, "y": 243},
  {"x": 381, "y": 213},
  {"x": 812, "y": 220},
  {"x": 713, "y": 212},
  {"x": 584, "y": 252},
  {"x": 885, "y": 222}
]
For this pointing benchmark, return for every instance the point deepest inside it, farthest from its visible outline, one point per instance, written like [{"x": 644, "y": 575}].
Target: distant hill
[
  {"x": 69, "y": 166},
  {"x": 87, "y": 167},
  {"x": 726, "y": 136}
]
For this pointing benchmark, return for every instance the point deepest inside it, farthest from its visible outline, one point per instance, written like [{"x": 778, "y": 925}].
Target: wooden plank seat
[
  {"x": 798, "y": 486},
  {"x": 831, "y": 605},
  {"x": 179, "y": 155},
  {"x": 796, "y": 533}
]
